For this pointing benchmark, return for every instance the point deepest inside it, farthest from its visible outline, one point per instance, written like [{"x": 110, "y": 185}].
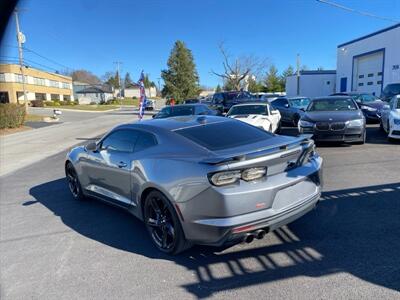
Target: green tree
[
  {"x": 181, "y": 79},
  {"x": 218, "y": 89},
  {"x": 127, "y": 80},
  {"x": 273, "y": 82},
  {"x": 288, "y": 72},
  {"x": 255, "y": 86},
  {"x": 147, "y": 82}
]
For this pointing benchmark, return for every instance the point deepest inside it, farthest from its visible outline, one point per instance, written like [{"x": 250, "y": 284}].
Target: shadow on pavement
[{"x": 354, "y": 231}]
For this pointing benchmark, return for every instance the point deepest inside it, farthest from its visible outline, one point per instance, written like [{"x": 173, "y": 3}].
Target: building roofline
[
  {"x": 316, "y": 72},
  {"x": 40, "y": 70},
  {"x": 370, "y": 35}
]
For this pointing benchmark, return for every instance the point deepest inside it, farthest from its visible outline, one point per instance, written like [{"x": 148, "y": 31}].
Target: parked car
[
  {"x": 191, "y": 101},
  {"x": 334, "y": 118},
  {"x": 225, "y": 100},
  {"x": 370, "y": 105},
  {"x": 150, "y": 104},
  {"x": 390, "y": 90},
  {"x": 291, "y": 109},
  {"x": 269, "y": 97},
  {"x": 199, "y": 179},
  {"x": 257, "y": 114},
  {"x": 185, "y": 110},
  {"x": 390, "y": 121}
]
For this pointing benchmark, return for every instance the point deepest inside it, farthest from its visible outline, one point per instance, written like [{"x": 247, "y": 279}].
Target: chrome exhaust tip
[
  {"x": 260, "y": 234},
  {"x": 248, "y": 238}
]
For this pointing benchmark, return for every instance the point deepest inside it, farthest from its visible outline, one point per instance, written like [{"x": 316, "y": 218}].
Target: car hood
[
  {"x": 332, "y": 116},
  {"x": 250, "y": 119},
  {"x": 378, "y": 104}
]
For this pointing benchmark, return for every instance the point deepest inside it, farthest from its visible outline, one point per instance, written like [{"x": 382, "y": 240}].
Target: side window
[
  {"x": 218, "y": 99},
  {"x": 145, "y": 140},
  {"x": 279, "y": 103},
  {"x": 121, "y": 140},
  {"x": 201, "y": 110},
  {"x": 392, "y": 102}
]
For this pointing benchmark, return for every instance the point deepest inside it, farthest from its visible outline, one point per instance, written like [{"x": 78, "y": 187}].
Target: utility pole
[
  {"x": 21, "y": 40},
  {"x": 118, "y": 63},
  {"x": 159, "y": 86},
  {"x": 298, "y": 75}
]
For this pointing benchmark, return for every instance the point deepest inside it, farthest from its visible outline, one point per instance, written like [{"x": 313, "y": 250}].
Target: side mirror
[
  {"x": 286, "y": 105},
  {"x": 274, "y": 112},
  {"x": 91, "y": 146}
]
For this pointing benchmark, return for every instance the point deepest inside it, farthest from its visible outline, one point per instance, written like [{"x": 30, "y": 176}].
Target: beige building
[{"x": 39, "y": 85}]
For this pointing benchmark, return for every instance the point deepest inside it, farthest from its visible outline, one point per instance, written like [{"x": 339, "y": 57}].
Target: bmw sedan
[
  {"x": 199, "y": 179},
  {"x": 334, "y": 118}
]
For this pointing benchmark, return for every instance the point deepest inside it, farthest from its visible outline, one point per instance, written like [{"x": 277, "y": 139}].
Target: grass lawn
[
  {"x": 86, "y": 107},
  {"x": 128, "y": 101},
  {"x": 33, "y": 118}
]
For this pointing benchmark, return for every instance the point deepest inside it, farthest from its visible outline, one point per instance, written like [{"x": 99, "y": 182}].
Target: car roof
[
  {"x": 296, "y": 97},
  {"x": 186, "y": 105},
  {"x": 174, "y": 123},
  {"x": 333, "y": 97},
  {"x": 252, "y": 103}
]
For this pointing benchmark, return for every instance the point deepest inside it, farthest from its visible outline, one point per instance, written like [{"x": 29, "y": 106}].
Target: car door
[
  {"x": 282, "y": 104},
  {"x": 385, "y": 114},
  {"x": 275, "y": 118},
  {"x": 108, "y": 168}
]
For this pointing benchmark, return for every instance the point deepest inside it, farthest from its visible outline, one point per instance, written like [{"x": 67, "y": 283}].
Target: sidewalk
[{"x": 24, "y": 148}]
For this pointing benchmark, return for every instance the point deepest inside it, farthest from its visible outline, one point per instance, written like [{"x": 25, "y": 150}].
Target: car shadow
[{"x": 355, "y": 231}]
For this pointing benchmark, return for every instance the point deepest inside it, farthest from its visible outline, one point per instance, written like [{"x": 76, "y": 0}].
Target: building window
[
  {"x": 4, "y": 97},
  {"x": 67, "y": 97},
  {"x": 370, "y": 83},
  {"x": 328, "y": 82},
  {"x": 361, "y": 84},
  {"x": 379, "y": 73},
  {"x": 40, "y": 96},
  {"x": 379, "y": 82},
  {"x": 54, "y": 83},
  {"x": 39, "y": 81},
  {"x": 360, "y": 76},
  {"x": 370, "y": 74},
  {"x": 55, "y": 97},
  {"x": 66, "y": 85},
  {"x": 3, "y": 78},
  {"x": 18, "y": 78}
]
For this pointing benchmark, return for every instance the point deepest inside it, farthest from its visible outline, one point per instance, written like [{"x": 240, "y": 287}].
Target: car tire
[
  {"x": 163, "y": 225},
  {"x": 73, "y": 182},
  {"x": 381, "y": 126}
]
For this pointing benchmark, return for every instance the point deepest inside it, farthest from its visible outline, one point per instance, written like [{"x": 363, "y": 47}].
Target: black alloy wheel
[
  {"x": 73, "y": 182},
  {"x": 163, "y": 224}
]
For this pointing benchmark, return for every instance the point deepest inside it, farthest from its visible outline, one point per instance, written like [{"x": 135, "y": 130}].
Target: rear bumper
[{"x": 286, "y": 198}]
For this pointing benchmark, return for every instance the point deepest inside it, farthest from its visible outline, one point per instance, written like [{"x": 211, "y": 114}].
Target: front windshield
[
  {"x": 332, "y": 105},
  {"x": 299, "y": 102},
  {"x": 174, "y": 111},
  {"x": 248, "y": 110},
  {"x": 392, "y": 89}
]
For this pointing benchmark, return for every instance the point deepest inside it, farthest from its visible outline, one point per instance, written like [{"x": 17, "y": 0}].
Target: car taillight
[
  {"x": 253, "y": 173},
  {"x": 230, "y": 177}
]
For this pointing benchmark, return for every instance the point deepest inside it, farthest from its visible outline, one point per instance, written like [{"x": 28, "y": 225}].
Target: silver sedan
[{"x": 199, "y": 179}]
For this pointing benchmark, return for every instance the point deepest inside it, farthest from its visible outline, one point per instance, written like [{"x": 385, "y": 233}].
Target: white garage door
[{"x": 368, "y": 73}]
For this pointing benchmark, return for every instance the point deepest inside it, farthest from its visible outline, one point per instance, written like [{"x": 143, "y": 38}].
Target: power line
[
  {"x": 46, "y": 58},
  {"x": 364, "y": 13}
]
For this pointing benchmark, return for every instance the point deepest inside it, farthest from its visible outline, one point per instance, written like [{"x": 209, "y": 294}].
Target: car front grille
[
  {"x": 396, "y": 132},
  {"x": 338, "y": 126},
  {"x": 325, "y": 126},
  {"x": 322, "y": 125}
]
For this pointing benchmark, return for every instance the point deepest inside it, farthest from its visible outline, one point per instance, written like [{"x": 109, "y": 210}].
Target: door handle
[{"x": 122, "y": 164}]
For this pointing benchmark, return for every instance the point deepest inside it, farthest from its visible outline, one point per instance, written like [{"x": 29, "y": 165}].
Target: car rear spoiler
[{"x": 301, "y": 140}]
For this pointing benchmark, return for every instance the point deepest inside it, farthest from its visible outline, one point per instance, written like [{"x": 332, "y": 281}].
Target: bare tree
[{"x": 238, "y": 70}]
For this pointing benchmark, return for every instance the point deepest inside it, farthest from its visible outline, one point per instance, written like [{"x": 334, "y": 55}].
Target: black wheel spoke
[
  {"x": 164, "y": 237},
  {"x": 152, "y": 222}
]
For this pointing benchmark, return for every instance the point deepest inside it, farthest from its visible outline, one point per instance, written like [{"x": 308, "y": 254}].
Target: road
[
  {"x": 53, "y": 247},
  {"x": 23, "y": 148}
]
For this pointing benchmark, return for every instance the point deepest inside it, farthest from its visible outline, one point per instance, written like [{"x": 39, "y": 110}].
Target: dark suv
[
  {"x": 225, "y": 100},
  {"x": 389, "y": 91}
]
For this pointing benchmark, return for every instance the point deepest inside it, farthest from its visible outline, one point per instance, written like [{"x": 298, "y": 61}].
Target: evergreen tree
[
  {"x": 272, "y": 81},
  {"x": 181, "y": 79},
  {"x": 288, "y": 72},
  {"x": 218, "y": 89},
  {"x": 127, "y": 81}
]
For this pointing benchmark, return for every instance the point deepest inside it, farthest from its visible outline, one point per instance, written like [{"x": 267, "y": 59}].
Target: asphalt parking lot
[{"x": 54, "y": 247}]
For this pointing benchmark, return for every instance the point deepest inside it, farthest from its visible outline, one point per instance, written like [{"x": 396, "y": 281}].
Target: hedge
[{"x": 11, "y": 115}]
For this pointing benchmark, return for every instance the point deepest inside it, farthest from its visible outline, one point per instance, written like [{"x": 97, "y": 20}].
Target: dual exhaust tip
[{"x": 259, "y": 234}]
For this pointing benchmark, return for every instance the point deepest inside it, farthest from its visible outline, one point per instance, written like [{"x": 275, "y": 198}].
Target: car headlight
[
  {"x": 303, "y": 123},
  {"x": 355, "y": 123},
  {"x": 396, "y": 121},
  {"x": 368, "y": 108},
  {"x": 230, "y": 177}
]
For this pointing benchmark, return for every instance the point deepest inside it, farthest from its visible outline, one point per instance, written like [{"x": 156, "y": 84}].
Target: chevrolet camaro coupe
[
  {"x": 334, "y": 118},
  {"x": 199, "y": 179}
]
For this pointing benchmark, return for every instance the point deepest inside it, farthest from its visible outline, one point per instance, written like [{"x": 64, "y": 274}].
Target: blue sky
[{"x": 92, "y": 34}]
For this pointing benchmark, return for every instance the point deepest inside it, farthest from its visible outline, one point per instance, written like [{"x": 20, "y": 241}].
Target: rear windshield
[
  {"x": 248, "y": 110},
  {"x": 224, "y": 135},
  {"x": 332, "y": 105},
  {"x": 174, "y": 111},
  {"x": 392, "y": 89}
]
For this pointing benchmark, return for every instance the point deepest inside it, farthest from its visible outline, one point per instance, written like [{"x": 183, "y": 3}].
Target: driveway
[{"x": 53, "y": 247}]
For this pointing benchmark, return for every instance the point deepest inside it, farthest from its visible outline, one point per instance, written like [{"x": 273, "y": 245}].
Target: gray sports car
[{"x": 199, "y": 179}]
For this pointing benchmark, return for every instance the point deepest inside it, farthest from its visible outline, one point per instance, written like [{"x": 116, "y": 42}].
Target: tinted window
[
  {"x": 224, "y": 135},
  {"x": 279, "y": 102},
  {"x": 368, "y": 98},
  {"x": 249, "y": 110},
  {"x": 145, "y": 140},
  {"x": 299, "y": 102},
  {"x": 173, "y": 111},
  {"x": 332, "y": 105},
  {"x": 392, "y": 89},
  {"x": 120, "y": 140},
  {"x": 201, "y": 109},
  {"x": 218, "y": 99}
]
